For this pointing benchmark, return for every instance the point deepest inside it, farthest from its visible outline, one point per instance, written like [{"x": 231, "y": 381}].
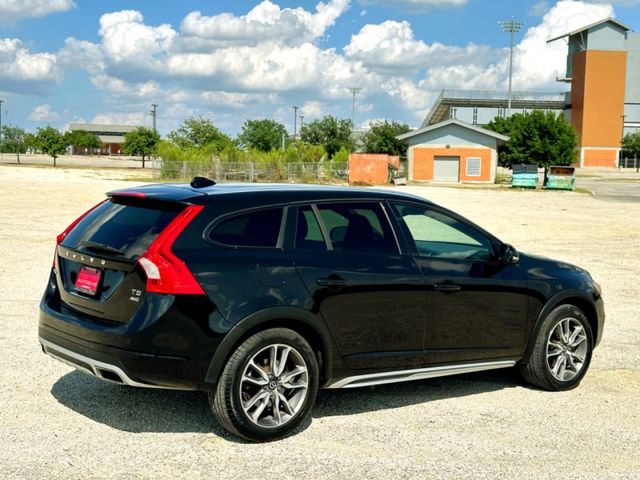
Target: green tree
[
  {"x": 140, "y": 142},
  {"x": 51, "y": 142},
  {"x": 539, "y": 138},
  {"x": 631, "y": 146},
  {"x": 80, "y": 139},
  {"x": 14, "y": 140},
  {"x": 199, "y": 133},
  {"x": 381, "y": 138},
  {"x": 264, "y": 135},
  {"x": 330, "y": 132}
]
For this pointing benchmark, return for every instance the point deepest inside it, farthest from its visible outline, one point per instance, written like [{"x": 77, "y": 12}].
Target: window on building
[{"x": 473, "y": 166}]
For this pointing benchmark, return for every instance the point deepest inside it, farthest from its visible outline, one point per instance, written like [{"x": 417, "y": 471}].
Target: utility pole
[
  {"x": 1, "y": 129},
  {"x": 511, "y": 27},
  {"x": 154, "y": 113},
  {"x": 354, "y": 91},
  {"x": 295, "y": 121}
]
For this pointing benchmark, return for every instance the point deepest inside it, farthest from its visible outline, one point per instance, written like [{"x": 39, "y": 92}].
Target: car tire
[
  {"x": 268, "y": 386},
  {"x": 562, "y": 351}
]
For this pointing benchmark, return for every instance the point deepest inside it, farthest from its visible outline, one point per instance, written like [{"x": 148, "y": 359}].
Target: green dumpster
[
  {"x": 524, "y": 176},
  {"x": 561, "y": 178}
]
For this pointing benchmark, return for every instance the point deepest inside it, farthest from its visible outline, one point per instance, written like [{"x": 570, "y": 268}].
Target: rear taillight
[{"x": 165, "y": 272}]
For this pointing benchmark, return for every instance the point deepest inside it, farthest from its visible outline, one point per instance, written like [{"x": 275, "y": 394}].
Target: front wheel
[
  {"x": 268, "y": 386},
  {"x": 562, "y": 350}
]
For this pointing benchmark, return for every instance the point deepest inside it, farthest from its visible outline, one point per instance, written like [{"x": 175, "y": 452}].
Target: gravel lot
[{"x": 59, "y": 423}]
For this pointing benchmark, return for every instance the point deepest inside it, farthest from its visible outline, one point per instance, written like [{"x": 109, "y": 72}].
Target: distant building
[
  {"x": 603, "y": 68},
  {"x": 452, "y": 151},
  {"x": 111, "y": 136}
]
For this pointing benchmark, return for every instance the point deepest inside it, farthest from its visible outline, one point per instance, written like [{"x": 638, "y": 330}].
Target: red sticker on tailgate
[{"x": 87, "y": 281}]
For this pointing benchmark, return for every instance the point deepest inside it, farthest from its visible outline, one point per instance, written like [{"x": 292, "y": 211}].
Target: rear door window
[
  {"x": 121, "y": 230},
  {"x": 358, "y": 227},
  {"x": 308, "y": 232},
  {"x": 259, "y": 228}
]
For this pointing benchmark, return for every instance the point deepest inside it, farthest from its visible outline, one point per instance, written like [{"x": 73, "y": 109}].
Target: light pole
[
  {"x": 295, "y": 121},
  {"x": 301, "y": 122},
  {"x": 154, "y": 113},
  {"x": 354, "y": 91},
  {"x": 511, "y": 27}
]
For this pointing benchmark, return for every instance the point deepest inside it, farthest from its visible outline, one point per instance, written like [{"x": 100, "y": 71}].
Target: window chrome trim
[{"x": 418, "y": 374}]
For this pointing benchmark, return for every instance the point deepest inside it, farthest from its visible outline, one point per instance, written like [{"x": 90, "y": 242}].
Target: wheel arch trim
[
  {"x": 285, "y": 317},
  {"x": 563, "y": 298}
]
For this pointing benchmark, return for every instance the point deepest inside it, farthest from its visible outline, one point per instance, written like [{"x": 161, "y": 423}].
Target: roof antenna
[{"x": 202, "y": 182}]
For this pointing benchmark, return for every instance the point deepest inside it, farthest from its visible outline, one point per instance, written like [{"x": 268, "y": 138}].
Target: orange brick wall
[
  {"x": 599, "y": 158},
  {"x": 597, "y": 97},
  {"x": 423, "y": 159},
  {"x": 371, "y": 168}
]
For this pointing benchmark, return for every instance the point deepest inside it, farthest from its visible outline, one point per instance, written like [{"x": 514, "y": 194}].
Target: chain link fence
[
  {"x": 300, "y": 172},
  {"x": 629, "y": 163}
]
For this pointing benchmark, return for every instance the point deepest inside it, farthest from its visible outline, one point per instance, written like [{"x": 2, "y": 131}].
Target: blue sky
[{"x": 64, "y": 61}]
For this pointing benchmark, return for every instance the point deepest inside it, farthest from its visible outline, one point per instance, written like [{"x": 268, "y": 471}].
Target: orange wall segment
[
  {"x": 424, "y": 157},
  {"x": 371, "y": 168},
  {"x": 597, "y": 95}
]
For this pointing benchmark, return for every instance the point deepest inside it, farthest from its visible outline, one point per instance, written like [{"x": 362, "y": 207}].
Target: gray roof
[
  {"x": 582, "y": 29},
  {"x": 453, "y": 121},
  {"x": 96, "y": 127}
]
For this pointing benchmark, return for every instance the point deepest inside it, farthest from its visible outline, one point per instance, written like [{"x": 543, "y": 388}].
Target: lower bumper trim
[{"x": 102, "y": 370}]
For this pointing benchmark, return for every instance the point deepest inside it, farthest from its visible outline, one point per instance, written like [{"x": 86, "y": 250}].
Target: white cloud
[
  {"x": 391, "y": 47},
  {"x": 538, "y": 63},
  {"x": 121, "y": 118},
  {"x": 11, "y": 10},
  {"x": 44, "y": 113},
  {"x": 313, "y": 110},
  {"x": 419, "y": 3},
  {"x": 127, "y": 40},
  {"x": 26, "y": 72},
  {"x": 266, "y": 22}
]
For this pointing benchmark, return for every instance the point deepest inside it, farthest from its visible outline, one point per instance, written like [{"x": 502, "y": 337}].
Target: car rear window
[
  {"x": 121, "y": 230},
  {"x": 260, "y": 228}
]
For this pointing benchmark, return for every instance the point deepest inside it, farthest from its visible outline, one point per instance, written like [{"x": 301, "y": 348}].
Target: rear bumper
[
  {"x": 168, "y": 346},
  {"x": 102, "y": 370}
]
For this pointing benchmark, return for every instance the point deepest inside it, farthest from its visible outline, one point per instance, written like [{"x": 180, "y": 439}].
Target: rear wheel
[
  {"x": 268, "y": 386},
  {"x": 562, "y": 350}
]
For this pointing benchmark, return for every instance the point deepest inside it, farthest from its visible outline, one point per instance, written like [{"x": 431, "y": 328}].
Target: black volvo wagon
[{"x": 261, "y": 294}]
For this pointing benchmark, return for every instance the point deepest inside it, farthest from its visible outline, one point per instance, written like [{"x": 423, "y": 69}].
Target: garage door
[{"x": 446, "y": 169}]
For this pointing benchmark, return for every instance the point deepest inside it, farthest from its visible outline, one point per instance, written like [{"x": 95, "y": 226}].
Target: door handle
[
  {"x": 332, "y": 282},
  {"x": 446, "y": 287}
]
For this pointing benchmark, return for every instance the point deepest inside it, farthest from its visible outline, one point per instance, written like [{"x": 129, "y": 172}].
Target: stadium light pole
[
  {"x": 295, "y": 121},
  {"x": 511, "y": 27},
  {"x": 354, "y": 91}
]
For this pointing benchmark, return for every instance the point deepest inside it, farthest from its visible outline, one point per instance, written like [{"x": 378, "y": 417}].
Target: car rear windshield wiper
[{"x": 100, "y": 247}]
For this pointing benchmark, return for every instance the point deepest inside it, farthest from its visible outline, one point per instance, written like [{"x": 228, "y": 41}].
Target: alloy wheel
[
  {"x": 567, "y": 349},
  {"x": 274, "y": 385}
]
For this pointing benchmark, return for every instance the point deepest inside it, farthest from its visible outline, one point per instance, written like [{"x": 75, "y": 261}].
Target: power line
[{"x": 511, "y": 27}]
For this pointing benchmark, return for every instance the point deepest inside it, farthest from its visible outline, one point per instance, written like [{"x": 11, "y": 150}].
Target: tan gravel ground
[{"x": 59, "y": 423}]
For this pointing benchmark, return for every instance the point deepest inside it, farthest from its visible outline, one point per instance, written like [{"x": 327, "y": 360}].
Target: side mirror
[{"x": 508, "y": 254}]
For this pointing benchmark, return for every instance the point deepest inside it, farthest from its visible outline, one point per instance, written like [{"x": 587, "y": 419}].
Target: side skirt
[{"x": 417, "y": 374}]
